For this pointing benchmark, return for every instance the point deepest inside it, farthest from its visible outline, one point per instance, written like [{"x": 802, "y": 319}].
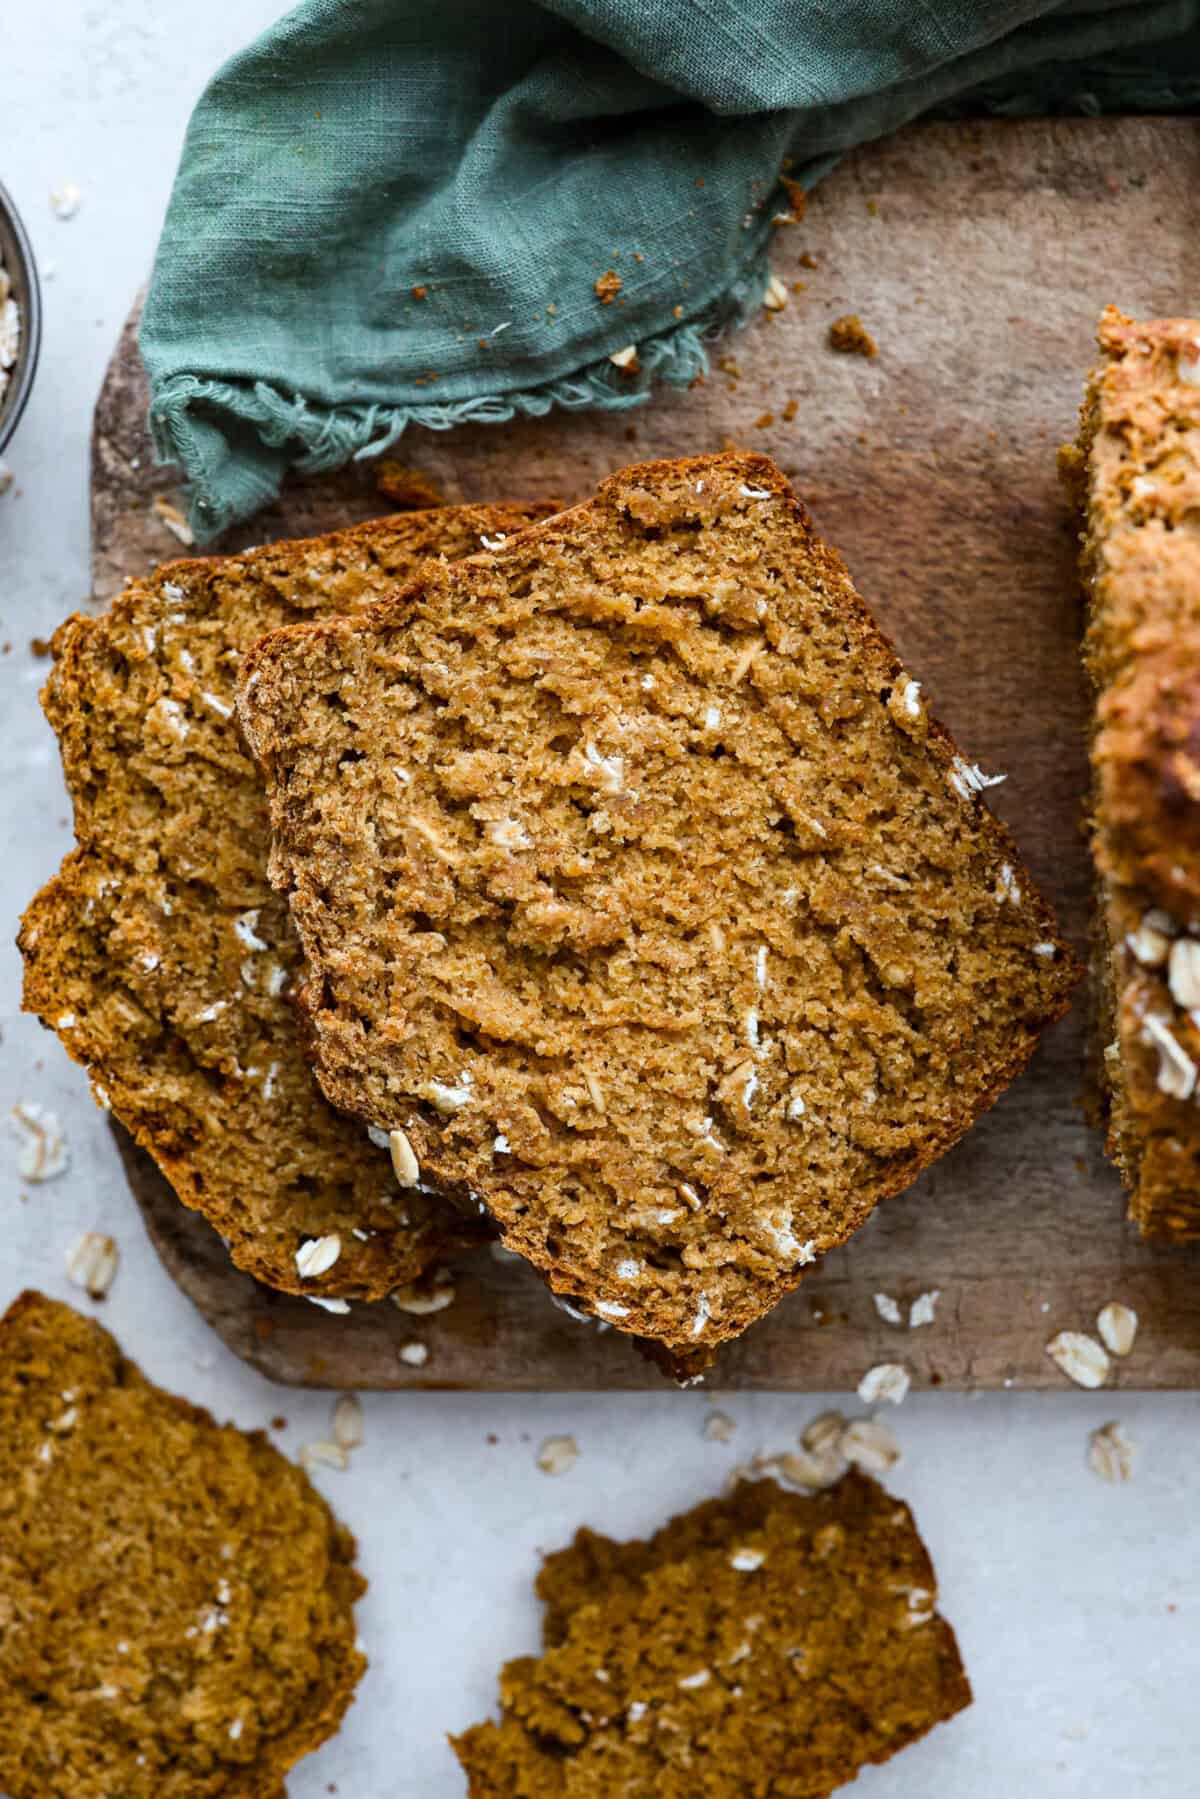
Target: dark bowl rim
[{"x": 29, "y": 293}]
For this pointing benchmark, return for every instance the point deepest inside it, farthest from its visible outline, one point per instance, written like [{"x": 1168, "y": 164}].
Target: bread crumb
[
  {"x": 607, "y": 287},
  {"x": 850, "y": 337},
  {"x": 408, "y": 489}
]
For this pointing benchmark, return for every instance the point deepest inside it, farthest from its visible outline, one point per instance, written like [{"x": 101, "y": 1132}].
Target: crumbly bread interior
[
  {"x": 1137, "y": 478},
  {"x": 176, "y": 1599},
  {"x": 642, "y": 897},
  {"x": 766, "y": 1643},
  {"x": 159, "y": 953}
]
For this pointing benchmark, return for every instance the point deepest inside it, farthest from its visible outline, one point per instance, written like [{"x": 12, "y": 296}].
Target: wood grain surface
[{"x": 979, "y": 257}]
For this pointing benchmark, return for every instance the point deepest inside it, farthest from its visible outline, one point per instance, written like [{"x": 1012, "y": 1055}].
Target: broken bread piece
[
  {"x": 1137, "y": 476},
  {"x": 159, "y": 953},
  {"x": 176, "y": 1598},
  {"x": 641, "y": 896},
  {"x": 762, "y": 1643}
]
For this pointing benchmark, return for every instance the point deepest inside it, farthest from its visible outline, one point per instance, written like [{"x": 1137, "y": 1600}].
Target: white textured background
[{"x": 1077, "y": 1604}]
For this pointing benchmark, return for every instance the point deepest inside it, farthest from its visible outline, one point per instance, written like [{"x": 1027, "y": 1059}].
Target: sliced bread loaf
[
  {"x": 763, "y": 1643},
  {"x": 176, "y": 1599},
  {"x": 1137, "y": 472},
  {"x": 642, "y": 897},
  {"x": 159, "y": 954}
]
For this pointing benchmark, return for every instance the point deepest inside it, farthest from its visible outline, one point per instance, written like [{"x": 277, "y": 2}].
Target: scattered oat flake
[
  {"x": 557, "y": 1455},
  {"x": 1080, "y": 1357},
  {"x": 887, "y": 1307},
  {"x": 324, "y": 1453},
  {"x": 719, "y": 1427},
  {"x": 923, "y": 1308},
  {"x": 887, "y": 1381},
  {"x": 625, "y": 358},
  {"x": 64, "y": 201},
  {"x": 429, "y": 1294},
  {"x": 43, "y": 1154},
  {"x": 404, "y": 1162},
  {"x": 348, "y": 1421},
  {"x": 173, "y": 519},
  {"x": 415, "y": 1355},
  {"x": 776, "y": 296},
  {"x": 1117, "y": 1325},
  {"x": 870, "y": 1445},
  {"x": 1110, "y": 1454},
  {"x": 92, "y": 1263}
]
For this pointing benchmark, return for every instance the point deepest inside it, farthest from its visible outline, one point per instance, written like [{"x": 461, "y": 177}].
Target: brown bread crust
[
  {"x": 1137, "y": 480},
  {"x": 176, "y": 1599},
  {"x": 681, "y": 978},
  {"x": 673, "y": 1670},
  {"x": 159, "y": 954}
]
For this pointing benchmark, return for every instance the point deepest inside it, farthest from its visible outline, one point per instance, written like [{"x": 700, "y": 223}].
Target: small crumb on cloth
[{"x": 607, "y": 287}]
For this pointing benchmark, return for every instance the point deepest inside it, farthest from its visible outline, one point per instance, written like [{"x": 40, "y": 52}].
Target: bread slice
[
  {"x": 159, "y": 954},
  {"x": 772, "y": 1642},
  {"x": 642, "y": 897},
  {"x": 1138, "y": 474},
  {"x": 176, "y": 1599}
]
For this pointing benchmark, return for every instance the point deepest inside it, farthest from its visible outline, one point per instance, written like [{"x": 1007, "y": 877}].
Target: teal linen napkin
[{"x": 396, "y": 212}]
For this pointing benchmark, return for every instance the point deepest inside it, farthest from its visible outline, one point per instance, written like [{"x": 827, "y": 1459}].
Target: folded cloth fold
[{"x": 397, "y": 212}]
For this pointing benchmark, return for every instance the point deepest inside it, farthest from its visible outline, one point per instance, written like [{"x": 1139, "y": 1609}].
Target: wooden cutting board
[{"x": 979, "y": 257}]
